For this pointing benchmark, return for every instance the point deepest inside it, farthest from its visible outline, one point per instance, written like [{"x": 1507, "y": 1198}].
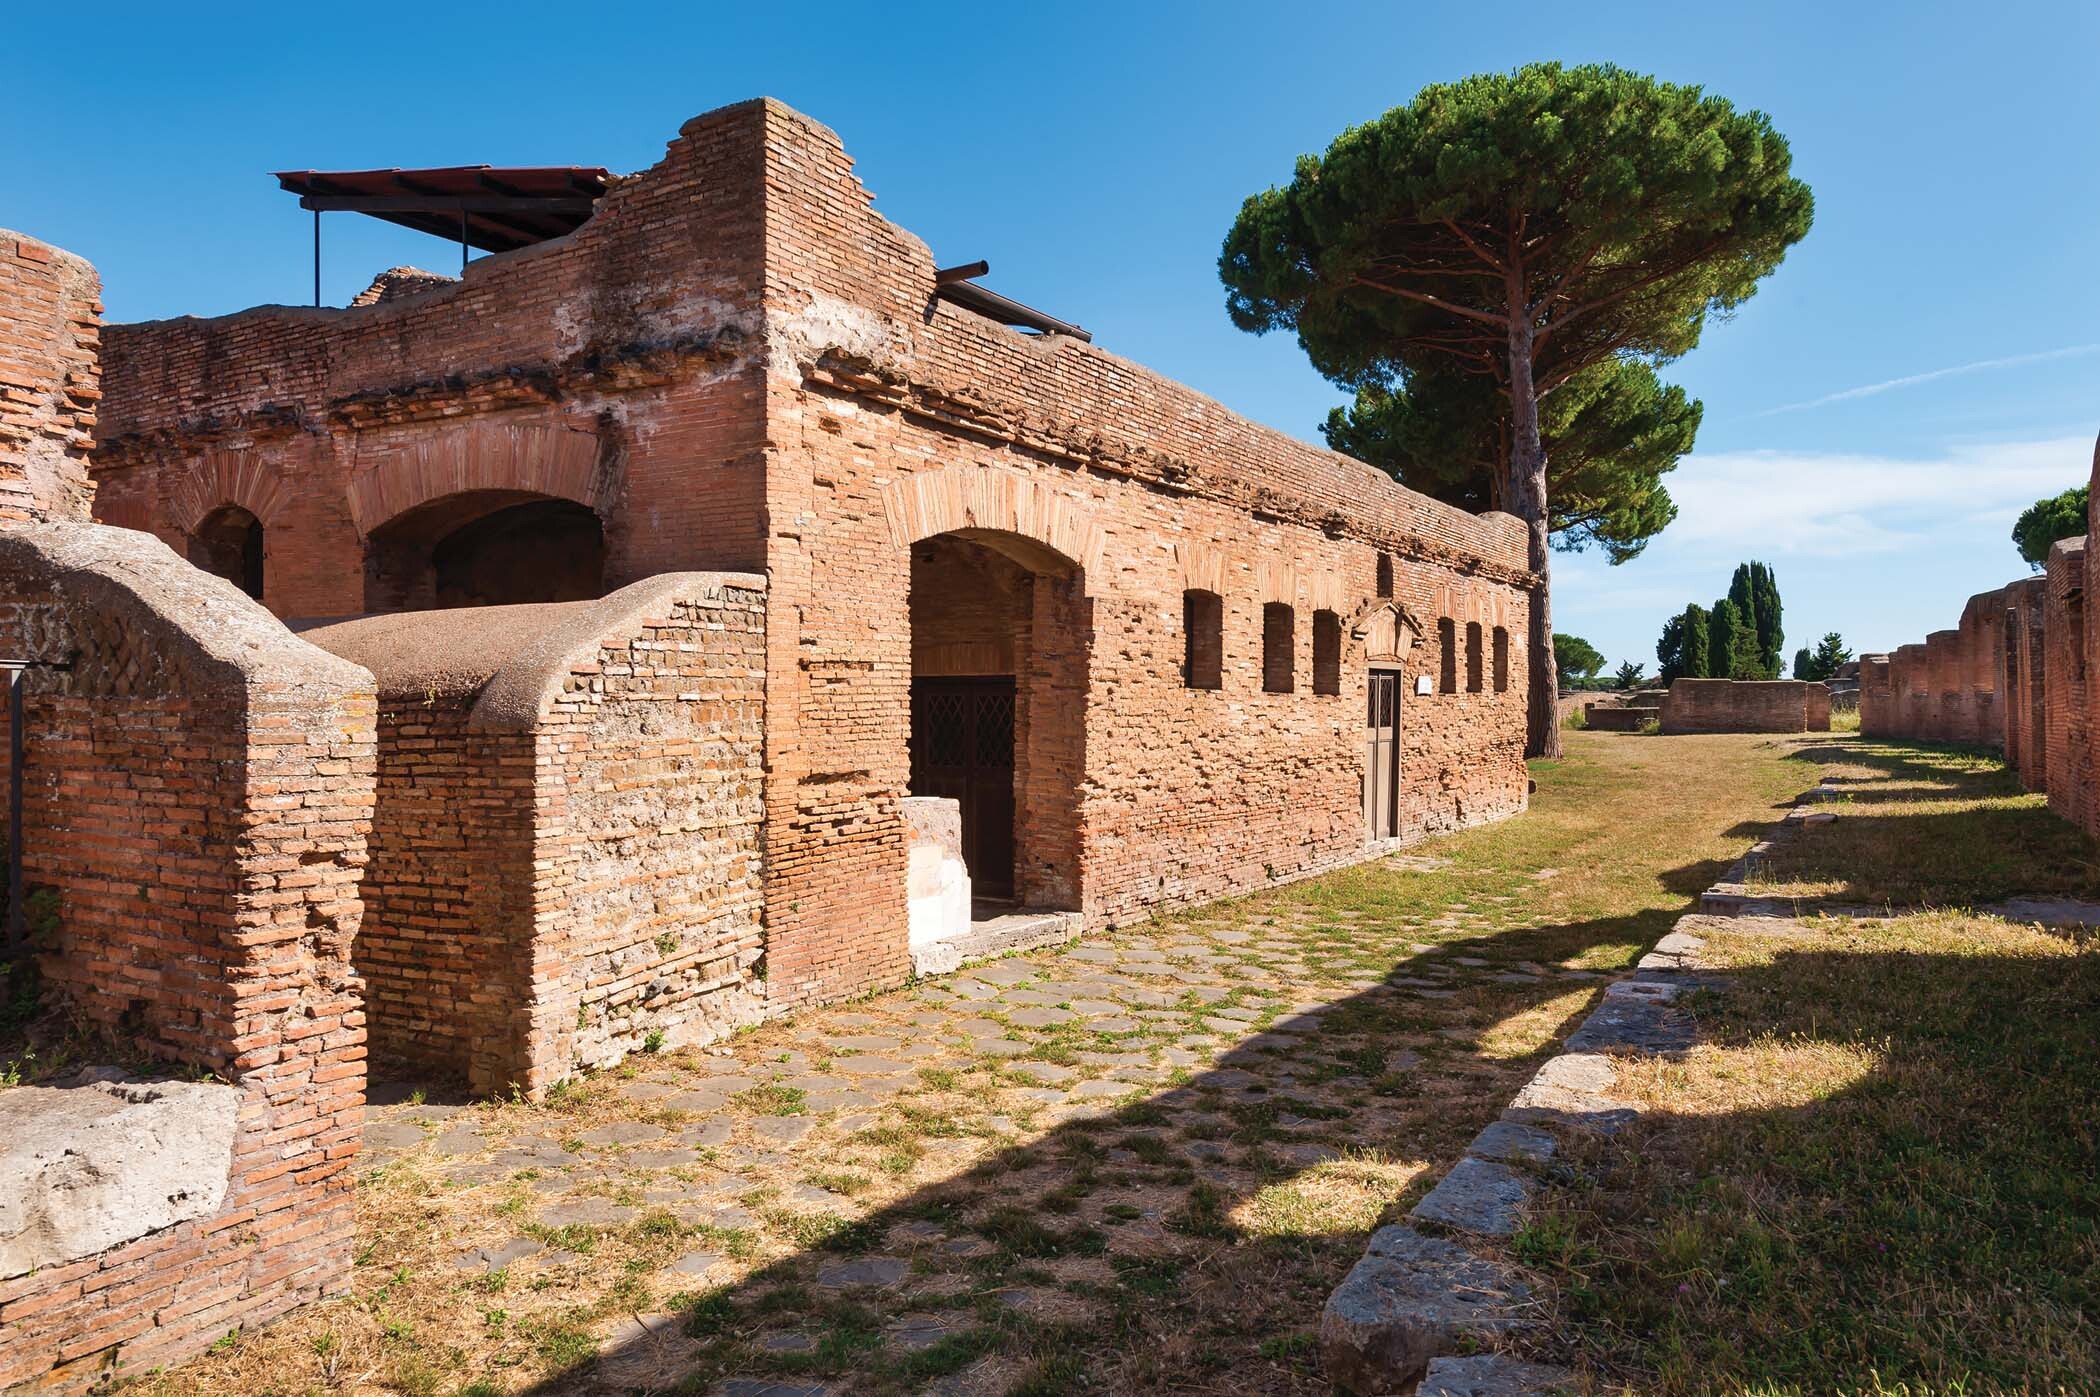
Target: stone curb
[{"x": 1415, "y": 1295}]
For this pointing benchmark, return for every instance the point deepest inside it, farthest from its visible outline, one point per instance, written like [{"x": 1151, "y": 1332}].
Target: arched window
[
  {"x": 1385, "y": 574},
  {"x": 1279, "y": 656},
  {"x": 229, "y": 544},
  {"x": 1203, "y": 639},
  {"x": 1447, "y": 655},
  {"x": 1473, "y": 659},
  {"x": 1501, "y": 659},
  {"x": 1327, "y": 652}
]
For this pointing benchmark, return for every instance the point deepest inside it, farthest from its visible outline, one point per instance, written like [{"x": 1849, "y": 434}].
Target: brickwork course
[
  {"x": 738, "y": 366},
  {"x": 629, "y": 566},
  {"x": 197, "y": 795},
  {"x": 50, "y": 323},
  {"x": 1746, "y": 705},
  {"x": 2011, "y": 677}
]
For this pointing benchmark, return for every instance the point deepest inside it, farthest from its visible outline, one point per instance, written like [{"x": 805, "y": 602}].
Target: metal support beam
[
  {"x": 444, "y": 203},
  {"x": 317, "y": 257}
]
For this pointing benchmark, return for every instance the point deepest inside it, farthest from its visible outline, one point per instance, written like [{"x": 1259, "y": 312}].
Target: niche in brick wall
[
  {"x": 229, "y": 544},
  {"x": 1327, "y": 652},
  {"x": 486, "y": 548},
  {"x": 1203, "y": 639},
  {"x": 1279, "y": 658}
]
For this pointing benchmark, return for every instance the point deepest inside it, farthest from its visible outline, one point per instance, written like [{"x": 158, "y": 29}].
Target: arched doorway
[
  {"x": 999, "y": 627},
  {"x": 485, "y": 548},
  {"x": 229, "y": 544}
]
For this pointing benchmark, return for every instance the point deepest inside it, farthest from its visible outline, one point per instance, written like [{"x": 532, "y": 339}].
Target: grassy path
[
  {"x": 1135, "y": 1163},
  {"x": 1878, "y": 1173}
]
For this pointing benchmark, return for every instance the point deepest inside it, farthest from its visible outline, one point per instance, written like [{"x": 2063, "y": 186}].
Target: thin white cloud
[
  {"x": 1837, "y": 504},
  {"x": 1868, "y": 390},
  {"x": 1881, "y": 548}
]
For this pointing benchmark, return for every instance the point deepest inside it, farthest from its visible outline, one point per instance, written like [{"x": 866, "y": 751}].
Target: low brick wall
[
  {"x": 1745, "y": 705},
  {"x": 197, "y": 793},
  {"x": 567, "y": 862},
  {"x": 1619, "y": 717}
]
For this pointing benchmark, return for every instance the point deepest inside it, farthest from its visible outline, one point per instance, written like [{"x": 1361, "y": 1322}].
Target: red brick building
[{"x": 1158, "y": 653}]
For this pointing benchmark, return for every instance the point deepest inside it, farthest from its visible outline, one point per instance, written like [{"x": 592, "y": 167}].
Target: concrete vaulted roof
[{"x": 512, "y": 661}]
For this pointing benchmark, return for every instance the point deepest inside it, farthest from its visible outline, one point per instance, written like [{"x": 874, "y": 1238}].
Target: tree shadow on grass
[
  {"x": 1885, "y": 1176},
  {"x": 1967, "y": 835},
  {"x": 1183, "y": 1238}
]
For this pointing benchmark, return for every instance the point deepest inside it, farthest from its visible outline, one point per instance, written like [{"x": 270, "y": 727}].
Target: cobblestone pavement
[{"x": 963, "y": 1184}]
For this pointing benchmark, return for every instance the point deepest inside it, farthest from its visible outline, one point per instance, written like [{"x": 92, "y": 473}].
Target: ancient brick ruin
[
  {"x": 1746, "y": 705},
  {"x": 1154, "y": 625},
  {"x": 197, "y": 792},
  {"x": 2010, "y": 676},
  {"x": 50, "y": 323},
  {"x": 531, "y": 668}
]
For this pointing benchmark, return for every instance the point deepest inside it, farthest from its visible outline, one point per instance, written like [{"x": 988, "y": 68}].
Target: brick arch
[
  {"x": 980, "y": 499},
  {"x": 559, "y": 462},
  {"x": 1204, "y": 568},
  {"x": 221, "y": 478}
]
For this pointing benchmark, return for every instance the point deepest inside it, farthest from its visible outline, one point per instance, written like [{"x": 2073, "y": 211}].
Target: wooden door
[
  {"x": 1382, "y": 755},
  {"x": 962, "y": 747}
]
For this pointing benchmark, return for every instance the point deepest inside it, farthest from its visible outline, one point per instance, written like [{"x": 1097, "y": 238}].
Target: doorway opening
[
  {"x": 998, "y": 693},
  {"x": 229, "y": 544}
]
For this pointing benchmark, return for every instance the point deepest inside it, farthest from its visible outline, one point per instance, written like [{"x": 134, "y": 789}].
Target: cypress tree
[
  {"x": 1721, "y": 628},
  {"x": 1754, "y": 590},
  {"x": 1692, "y": 659}
]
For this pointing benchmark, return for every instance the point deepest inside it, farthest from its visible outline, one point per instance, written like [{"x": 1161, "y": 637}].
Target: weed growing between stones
[{"x": 1140, "y": 1159}]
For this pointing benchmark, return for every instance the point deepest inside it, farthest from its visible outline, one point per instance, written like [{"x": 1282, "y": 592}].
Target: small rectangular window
[
  {"x": 1327, "y": 653},
  {"x": 1501, "y": 659},
  {"x": 1473, "y": 670},
  {"x": 1279, "y": 657},
  {"x": 1447, "y": 655},
  {"x": 1385, "y": 574},
  {"x": 1203, "y": 640}
]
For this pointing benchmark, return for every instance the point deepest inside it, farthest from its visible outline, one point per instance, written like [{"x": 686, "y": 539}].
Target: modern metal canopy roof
[{"x": 494, "y": 208}]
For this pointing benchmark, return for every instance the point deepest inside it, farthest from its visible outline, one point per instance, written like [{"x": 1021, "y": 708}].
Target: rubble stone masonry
[{"x": 50, "y": 321}]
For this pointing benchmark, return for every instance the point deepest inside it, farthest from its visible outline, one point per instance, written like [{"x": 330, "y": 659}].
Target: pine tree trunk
[{"x": 1527, "y": 500}]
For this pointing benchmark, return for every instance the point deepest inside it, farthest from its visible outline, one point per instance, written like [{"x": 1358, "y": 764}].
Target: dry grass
[
  {"x": 1876, "y": 1175},
  {"x": 1879, "y": 1172},
  {"x": 1181, "y": 1238},
  {"x": 1929, "y": 826}
]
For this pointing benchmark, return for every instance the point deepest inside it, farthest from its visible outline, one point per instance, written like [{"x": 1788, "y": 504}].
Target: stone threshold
[
  {"x": 1000, "y": 934},
  {"x": 1412, "y": 1315}
]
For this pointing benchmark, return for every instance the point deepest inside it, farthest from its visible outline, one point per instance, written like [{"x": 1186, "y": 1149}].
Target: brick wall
[
  {"x": 2012, "y": 676},
  {"x": 1745, "y": 705},
  {"x": 737, "y": 364},
  {"x": 198, "y": 790},
  {"x": 2024, "y": 685},
  {"x": 900, "y": 418},
  {"x": 50, "y": 319},
  {"x": 566, "y": 839},
  {"x": 2068, "y": 719}
]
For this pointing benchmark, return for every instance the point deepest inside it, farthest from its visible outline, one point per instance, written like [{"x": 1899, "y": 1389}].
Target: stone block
[
  {"x": 1409, "y": 1299},
  {"x": 87, "y": 1168}
]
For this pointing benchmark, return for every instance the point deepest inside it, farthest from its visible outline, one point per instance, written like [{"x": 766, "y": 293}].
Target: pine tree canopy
[
  {"x": 2047, "y": 521},
  {"x": 1611, "y": 433}
]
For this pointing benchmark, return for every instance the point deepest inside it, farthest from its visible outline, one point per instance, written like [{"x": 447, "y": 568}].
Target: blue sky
[{"x": 1096, "y": 155}]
